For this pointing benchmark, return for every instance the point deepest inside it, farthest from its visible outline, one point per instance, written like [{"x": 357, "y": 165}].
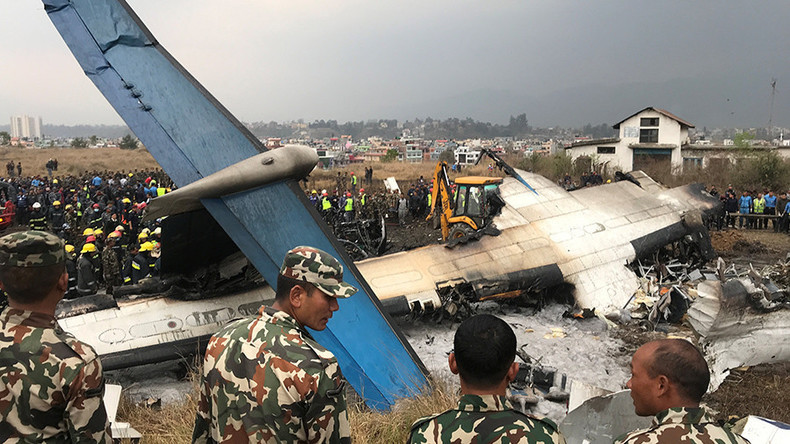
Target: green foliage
[
  {"x": 743, "y": 140},
  {"x": 763, "y": 170},
  {"x": 94, "y": 140},
  {"x": 128, "y": 142},
  {"x": 79, "y": 142},
  {"x": 392, "y": 155},
  {"x": 5, "y": 138},
  {"x": 447, "y": 156}
]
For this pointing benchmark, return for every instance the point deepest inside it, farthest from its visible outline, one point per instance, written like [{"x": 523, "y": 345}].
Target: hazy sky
[{"x": 351, "y": 60}]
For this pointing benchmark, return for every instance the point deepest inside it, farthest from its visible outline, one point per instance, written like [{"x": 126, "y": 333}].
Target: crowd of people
[
  {"x": 99, "y": 216},
  {"x": 752, "y": 209},
  {"x": 346, "y": 202}
]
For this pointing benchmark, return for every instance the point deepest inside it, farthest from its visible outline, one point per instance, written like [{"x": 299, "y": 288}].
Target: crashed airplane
[{"x": 549, "y": 237}]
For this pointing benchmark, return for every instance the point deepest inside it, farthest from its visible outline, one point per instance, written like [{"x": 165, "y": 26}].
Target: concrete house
[{"x": 651, "y": 136}]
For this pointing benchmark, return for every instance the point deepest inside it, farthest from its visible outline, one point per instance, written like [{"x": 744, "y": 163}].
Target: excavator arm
[{"x": 441, "y": 198}]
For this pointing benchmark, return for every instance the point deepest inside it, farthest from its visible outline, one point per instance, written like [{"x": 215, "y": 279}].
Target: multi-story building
[
  {"x": 650, "y": 136},
  {"x": 26, "y": 127}
]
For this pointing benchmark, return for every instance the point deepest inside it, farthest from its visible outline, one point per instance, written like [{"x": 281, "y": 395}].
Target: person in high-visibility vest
[
  {"x": 353, "y": 183},
  {"x": 326, "y": 205},
  {"x": 363, "y": 202},
  {"x": 348, "y": 210}
]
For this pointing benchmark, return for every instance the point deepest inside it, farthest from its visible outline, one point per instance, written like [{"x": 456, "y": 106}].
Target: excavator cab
[{"x": 477, "y": 201}]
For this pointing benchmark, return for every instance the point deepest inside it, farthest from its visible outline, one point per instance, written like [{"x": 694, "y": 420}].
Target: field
[{"x": 75, "y": 161}]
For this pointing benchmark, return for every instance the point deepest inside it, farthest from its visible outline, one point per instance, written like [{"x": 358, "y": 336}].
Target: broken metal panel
[
  {"x": 601, "y": 419},
  {"x": 760, "y": 430},
  {"x": 733, "y": 333}
]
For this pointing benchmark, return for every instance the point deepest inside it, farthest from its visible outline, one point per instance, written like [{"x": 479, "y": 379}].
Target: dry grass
[
  {"x": 172, "y": 424},
  {"x": 75, "y": 161}
]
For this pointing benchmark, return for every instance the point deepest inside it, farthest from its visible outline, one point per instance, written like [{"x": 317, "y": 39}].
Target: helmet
[
  {"x": 95, "y": 205},
  {"x": 146, "y": 246},
  {"x": 126, "y": 200},
  {"x": 314, "y": 192},
  {"x": 153, "y": 182},
  {"x": 361, "y": 190},
  {"x": 130, "y": 174},
  {"x": 113, "y": 234},
  {"x": 87, "y": 232},
  {"x": 69, "y": 206},
  {"x": 69, "y": 248},
  {"x": 142, "y": 235},
  {"x": 120, "y": 228},
  {"x": 88, "y": 248},
  {"x": 98, "y": 231},
  {"x": 158, "y": 230},
  {"x": 55, "y": 181},
  {"x": 348, "y": 194},
  {"x": 146, "y": 230},
  {"x": 36, "y": 206},
  {"x": 56, "y": 203},
  {"x": 90, "y": 238}
]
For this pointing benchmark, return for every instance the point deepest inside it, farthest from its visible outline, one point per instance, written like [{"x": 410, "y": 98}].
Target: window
[
  {"x": 648, "y": 121},
  {"x": 648, "y": 136},
  {"x": 692, "y": 162},
  {"x": 605, "y": 150}
]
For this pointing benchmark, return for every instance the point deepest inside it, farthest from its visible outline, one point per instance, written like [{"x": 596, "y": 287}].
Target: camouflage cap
[
  {"x": 31, "y": 249},
  {"x": 319, "y": 268}
]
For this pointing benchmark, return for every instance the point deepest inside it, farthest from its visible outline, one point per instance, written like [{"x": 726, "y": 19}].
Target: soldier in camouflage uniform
[
  {"x": 484, "y": 358},
  {"x": 51, "y": 385},
  {"x": 264, "y": 378},
  {"x": 110, "y": 266},
  {"x": 668, "y": 379}
]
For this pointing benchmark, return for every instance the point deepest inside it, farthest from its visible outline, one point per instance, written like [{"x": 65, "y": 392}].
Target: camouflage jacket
[
  {"x": 110, "y": 267},
  {"x": 266, "y": 380},
  {"x": 51, "y": 385},
  {"x": 683, "y": 424},
  {"x": 482, "y": 419}
]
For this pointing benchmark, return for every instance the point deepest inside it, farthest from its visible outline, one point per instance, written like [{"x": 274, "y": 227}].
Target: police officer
[
  {"x": 51, "y": 383},
  {"x": 244, "y": 393},
  {"x": 484, "y": 357},
  {"x": 668, "y": 379}
]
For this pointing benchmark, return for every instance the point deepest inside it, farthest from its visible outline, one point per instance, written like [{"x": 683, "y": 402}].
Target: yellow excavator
[{"x": 468, "y": 213}]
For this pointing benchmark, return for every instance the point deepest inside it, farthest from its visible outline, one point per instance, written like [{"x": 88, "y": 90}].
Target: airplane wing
[{"x": 192, "y": 135}]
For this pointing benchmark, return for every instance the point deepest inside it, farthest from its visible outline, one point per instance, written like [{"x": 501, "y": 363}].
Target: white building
[
  {"x": 466, "y": 156},
  {"x": 651, "y": 136},
  {"x": 26, "y": 127}
]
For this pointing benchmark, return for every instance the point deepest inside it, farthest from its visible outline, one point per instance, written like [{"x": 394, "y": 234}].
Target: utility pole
[{"x": 771, "y": 115}]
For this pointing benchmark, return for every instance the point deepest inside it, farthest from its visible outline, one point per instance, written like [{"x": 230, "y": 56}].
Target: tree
[
  {"x": 128, "y": 142},
  {"x": 392, "y": 154},
  {"x": 447, "y": 156},
  {"x": 5, "y": 138},
  {"x": 743, "y": 139},
  {"x": 94, "y": 140},
  {"x": 79, "y": 142}
]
